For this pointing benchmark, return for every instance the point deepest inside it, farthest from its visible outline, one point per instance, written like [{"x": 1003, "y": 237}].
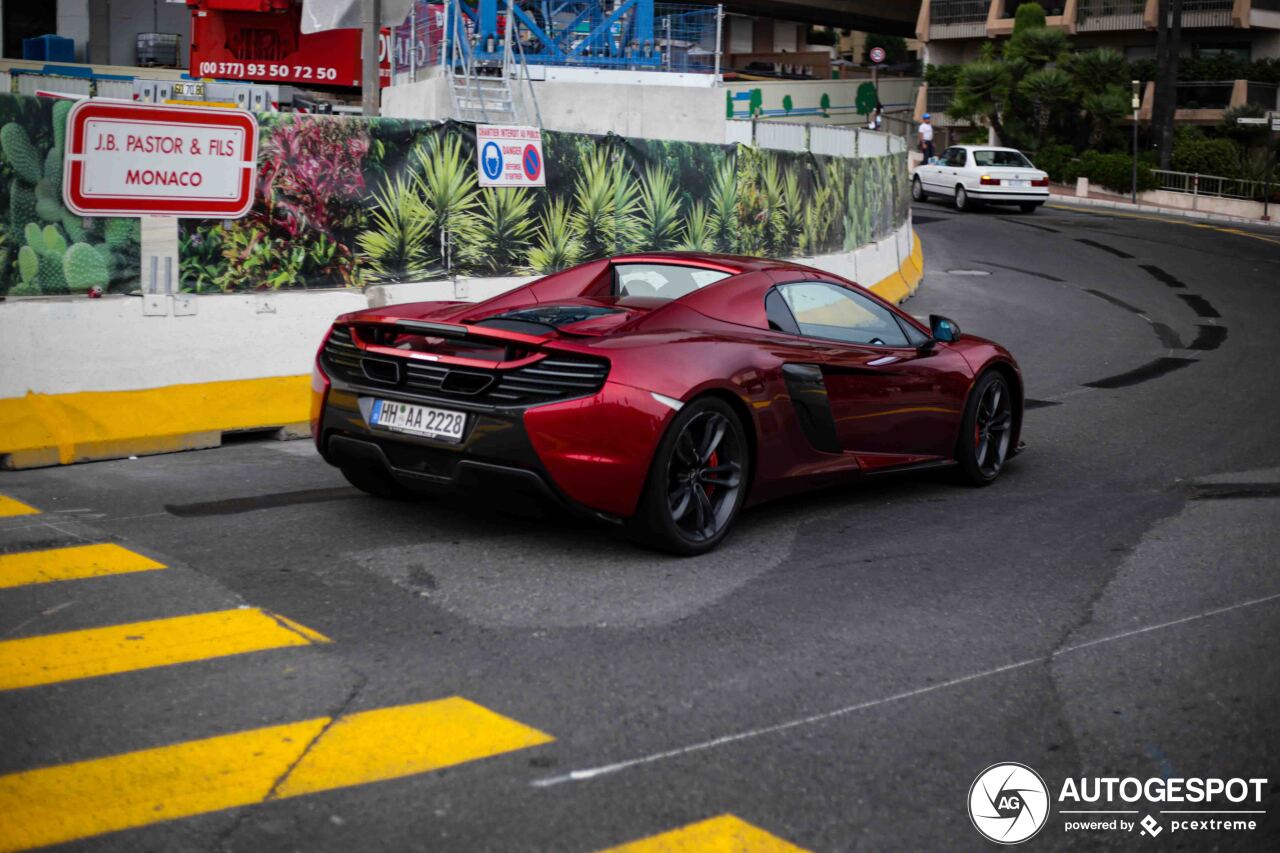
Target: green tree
[
  {"x": 1049, "y": 90},
  {"x": 755, "y": 103},
  {"x": 866, "y": 99},
  {"x": 787, "y": 104},
  {"x": 825, "y": 103}
]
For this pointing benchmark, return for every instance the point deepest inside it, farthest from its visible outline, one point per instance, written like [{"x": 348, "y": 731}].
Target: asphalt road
[{"x": 836, "y": 675}]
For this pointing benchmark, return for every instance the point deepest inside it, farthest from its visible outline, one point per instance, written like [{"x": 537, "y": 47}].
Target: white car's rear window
[{"x": 1001, "y": 158}]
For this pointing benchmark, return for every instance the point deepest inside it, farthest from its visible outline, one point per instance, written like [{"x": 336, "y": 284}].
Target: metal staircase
[{"x": 483, "y": 92}]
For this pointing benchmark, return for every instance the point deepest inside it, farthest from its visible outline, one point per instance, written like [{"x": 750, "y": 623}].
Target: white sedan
[{"x": 982, "y": 174}]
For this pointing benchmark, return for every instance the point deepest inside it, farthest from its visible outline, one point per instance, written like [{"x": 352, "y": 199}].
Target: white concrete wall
[
  {"x": 110, "y": 345},
  {"x": 688, "y": 113},
  {"x": 55, "y": 346},
  {"x": 130, "y": 17},
  {"x": 806, "y": 98},
  {"x": 73, "y": 23}
]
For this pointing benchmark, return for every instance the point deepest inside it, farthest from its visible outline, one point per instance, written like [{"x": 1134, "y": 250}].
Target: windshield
[
  {"x": 662, "y": 281},
  {"x": 1001, "y": 158}
]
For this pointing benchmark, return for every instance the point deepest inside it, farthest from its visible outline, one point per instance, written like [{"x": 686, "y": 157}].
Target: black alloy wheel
[
  {"x": 697, "y": 481},
  {"x": 987, "y": 430}
]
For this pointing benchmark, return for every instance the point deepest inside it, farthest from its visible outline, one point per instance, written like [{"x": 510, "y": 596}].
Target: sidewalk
[{"x": 1067, "y": 196}]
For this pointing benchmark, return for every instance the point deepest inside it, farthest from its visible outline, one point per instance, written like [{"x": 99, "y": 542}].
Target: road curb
[{"x": 1124, "y": 206}]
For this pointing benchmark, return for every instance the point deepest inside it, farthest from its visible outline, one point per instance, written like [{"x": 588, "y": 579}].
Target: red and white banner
[{"x": 127, "y": 159}]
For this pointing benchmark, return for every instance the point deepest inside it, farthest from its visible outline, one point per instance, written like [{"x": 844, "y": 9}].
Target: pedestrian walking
[{"x": 877, "y": 117}]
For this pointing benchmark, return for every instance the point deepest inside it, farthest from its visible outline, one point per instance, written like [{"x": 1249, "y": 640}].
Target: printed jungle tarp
[{"x": 344, "y": 202}]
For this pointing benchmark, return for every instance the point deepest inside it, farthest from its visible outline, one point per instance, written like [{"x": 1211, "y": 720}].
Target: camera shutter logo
[{"x": 1008, "y": 803}]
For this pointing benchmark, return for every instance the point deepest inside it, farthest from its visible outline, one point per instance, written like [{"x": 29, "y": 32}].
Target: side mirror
[{"x": 944, "y": 329}]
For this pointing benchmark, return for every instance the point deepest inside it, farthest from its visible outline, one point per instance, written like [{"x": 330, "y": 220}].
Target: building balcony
[
  {"x": 1094, "y": 16},
  {"x": 1204, "y": 102},
  {"x": 955, "y": 19}
]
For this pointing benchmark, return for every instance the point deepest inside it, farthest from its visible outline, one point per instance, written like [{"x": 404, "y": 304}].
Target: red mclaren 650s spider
[{"x": 663, "y": 392}]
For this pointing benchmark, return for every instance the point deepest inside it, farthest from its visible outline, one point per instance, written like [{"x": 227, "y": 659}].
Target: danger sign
[
  {"x": 128, "y": 159},
  {"x": 509, "y": 156}
]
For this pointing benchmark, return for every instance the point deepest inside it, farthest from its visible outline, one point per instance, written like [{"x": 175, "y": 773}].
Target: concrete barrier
[{"x": 97, "y": 379}]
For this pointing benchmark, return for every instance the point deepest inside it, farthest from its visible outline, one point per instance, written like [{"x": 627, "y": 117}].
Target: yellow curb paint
[
  {"x": 903, "y": 282},
  {"x": 51, "y": 429},
  {"x": 53, "y": 658},
  {"x": 72, "y": 801},
  {"x": 1172, "y": 220},
  {"x": 723, "y": 834},
  {"x": 10, "y": 507},
  {"x": 74, "y": 563}
]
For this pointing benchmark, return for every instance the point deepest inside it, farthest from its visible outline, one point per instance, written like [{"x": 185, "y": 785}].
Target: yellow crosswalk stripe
[
  {"x": 74, "y": 563},
  {"x": 87, "y": 798},
  {"x": 723, "y": 834},
  {"x": 51, "y": 658},
  {"x": 9, "y": 506}
]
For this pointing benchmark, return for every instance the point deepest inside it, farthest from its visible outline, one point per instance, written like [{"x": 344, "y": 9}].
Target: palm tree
[
  {"x": 659, "y": 217},
  {"x": 1104, "y": 108},
  {"x": 724, "y": 206},
  {"x": 503, "y": 228},
  {"x": 605, "y": 199},
  {"x": 558, "y": 244},
  {"x": 699, "y": 231},
  {"x": 1047, "y": 89},
  {"x": 448, "y": 188},
  {"x": 982, "y": 91},
  {"x": 398, "y": 245}
]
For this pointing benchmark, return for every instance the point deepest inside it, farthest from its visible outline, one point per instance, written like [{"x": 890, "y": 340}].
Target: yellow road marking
[
  {"x": 723, "y": 834},
  {"x": 63, "y": 564},
  {"x": 48, "y": 659},
  {"x": 9, "y": 507},
  {"x": 87, "y": 798}
]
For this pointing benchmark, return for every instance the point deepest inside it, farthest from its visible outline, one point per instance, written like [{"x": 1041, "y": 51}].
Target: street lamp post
[{"x": 1133, "y": 185}]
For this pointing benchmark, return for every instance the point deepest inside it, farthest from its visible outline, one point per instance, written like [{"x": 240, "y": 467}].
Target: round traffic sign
[
  {"x": 877, "y": 55},
  {"x": 491, "y": 160},
  {"x": 532, "y": 163}
]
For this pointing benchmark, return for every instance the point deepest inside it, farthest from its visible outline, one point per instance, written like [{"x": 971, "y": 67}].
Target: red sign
[
  {"x": 128, "y": 159},
  {"x": 270, "y": 47}
]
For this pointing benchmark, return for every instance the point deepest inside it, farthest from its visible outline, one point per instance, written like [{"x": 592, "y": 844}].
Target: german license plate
[
  {"x": 1017, "y": 184},
  {"x": 418, "y": 420}
]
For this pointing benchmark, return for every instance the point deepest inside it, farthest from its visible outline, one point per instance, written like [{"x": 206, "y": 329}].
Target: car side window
[
  {"x": 945, "y": 159},
  {"x": 823, "y": 310},
  {"x": 780, "y": 319},
  {"x": 957, "y": 157}
]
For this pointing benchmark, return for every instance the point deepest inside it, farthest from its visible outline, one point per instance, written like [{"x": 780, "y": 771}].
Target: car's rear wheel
[
  {"x": 697, "y": 481},
  {"x": 917, "y": 189},
  {"x": 1029, "y": 207},
  {"x": 986, "y": 431},
  {"x": 962, "y": 198},
  {"x": 377, "y": 482}
]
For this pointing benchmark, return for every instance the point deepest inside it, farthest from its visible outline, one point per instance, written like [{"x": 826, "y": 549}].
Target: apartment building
[{"x": 954, "y": 31}]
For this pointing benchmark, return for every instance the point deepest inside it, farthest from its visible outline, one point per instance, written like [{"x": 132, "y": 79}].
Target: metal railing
[
  {"x": 1204, "y": 94},
  {"x": 958, "y": 18},
  {"x": 1097, "y": 15},
  {"x": 938, "y": 99},
  {"x": 1207, "y": 13},
  {"x": 1208, "y": 185},
  {"x": 814, "y": 138},
  {"x": 1052, "y": 8},
  {"x": 1265, "y": 95}
]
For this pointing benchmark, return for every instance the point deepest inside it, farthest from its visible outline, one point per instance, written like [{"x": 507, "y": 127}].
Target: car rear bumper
[
  {"x": 589, "y": 455},
  {"x": 997, "y": 195}
]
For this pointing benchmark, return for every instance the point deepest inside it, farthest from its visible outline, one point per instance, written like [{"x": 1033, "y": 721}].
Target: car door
[
  {"x": 954, "y": 170},
  {"x": 893, "y": 398},
  {"x": 931, "y": 174}
]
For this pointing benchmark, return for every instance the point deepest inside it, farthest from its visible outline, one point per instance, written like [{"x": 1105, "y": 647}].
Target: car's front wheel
[
  {"x": 917, "y": 189},
  {"x": 697, "y": 481},
  {"x": 986, "y": 430},
  {"x": 962, "y": 198}
]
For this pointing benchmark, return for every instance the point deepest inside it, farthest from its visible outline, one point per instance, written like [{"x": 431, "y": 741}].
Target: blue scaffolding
[{"x": 572, "y": 32}]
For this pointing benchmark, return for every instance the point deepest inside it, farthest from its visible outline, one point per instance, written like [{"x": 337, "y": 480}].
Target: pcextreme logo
[{"x": 1009, "y": 803}]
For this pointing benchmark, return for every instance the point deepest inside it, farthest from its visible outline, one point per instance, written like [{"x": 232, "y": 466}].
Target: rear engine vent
[{"x": 559, "y": 376}]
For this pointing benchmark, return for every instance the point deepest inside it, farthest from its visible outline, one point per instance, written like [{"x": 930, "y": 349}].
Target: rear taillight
[
  {"x": 319, "y": 392},
  {"x": 988, "y": 181},
  {"x": 1040, "y": 182}
]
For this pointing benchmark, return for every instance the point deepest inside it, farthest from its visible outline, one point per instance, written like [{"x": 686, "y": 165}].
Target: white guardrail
[
  {"x": 1208, "y": 185},
  {"x": 814, "y": 138}
]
